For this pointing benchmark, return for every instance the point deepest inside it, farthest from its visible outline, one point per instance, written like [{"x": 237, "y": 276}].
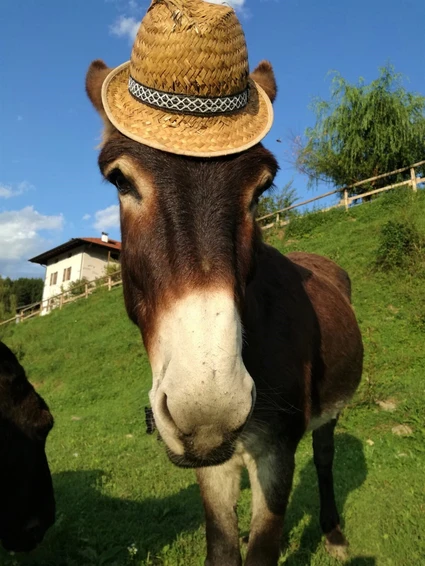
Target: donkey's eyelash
[{"x": 120, "y": 181}]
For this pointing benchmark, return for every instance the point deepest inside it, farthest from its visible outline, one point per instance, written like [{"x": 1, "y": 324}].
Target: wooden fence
[
  {"x": 84, "y": 290},
  {"x": 110, "y": 281},
  {"x": 344, "y": 193}
]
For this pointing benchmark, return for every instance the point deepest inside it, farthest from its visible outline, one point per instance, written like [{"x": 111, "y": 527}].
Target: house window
[
  {"x": 53, "y": 278},
  {"x": 66, "y": 274}
]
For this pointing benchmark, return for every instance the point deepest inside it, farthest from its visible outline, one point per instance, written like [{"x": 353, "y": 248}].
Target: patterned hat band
[{"x": 183, "y": 104}]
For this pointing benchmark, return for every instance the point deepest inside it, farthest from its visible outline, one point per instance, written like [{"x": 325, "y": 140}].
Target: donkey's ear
[
  {"x": 96, "y": 74},
  {"x": 264, "y": 76},
  {"x": 95, "y": 77}
]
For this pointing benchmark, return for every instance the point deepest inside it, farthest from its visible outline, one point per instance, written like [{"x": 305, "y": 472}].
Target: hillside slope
[{"x": 114, "y": 485}]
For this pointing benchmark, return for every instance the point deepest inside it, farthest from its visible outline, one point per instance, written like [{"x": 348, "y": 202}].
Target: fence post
[
  {"x": 109, "y": 283},
  {"x": 413, "y": 179},
  {"x": 60, "y": 302},
  {"x": 86, "y": 290},
  {"x": 277, "y": 219},
  {"x": 346, "y": 198}
]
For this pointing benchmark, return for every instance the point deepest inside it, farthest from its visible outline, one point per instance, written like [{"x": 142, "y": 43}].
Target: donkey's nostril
[
  {"x": 166, "y": 416},
  {"x": 164, "y": 408}
]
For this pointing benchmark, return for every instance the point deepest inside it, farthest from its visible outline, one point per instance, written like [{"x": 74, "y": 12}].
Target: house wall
[
  {"x": 72, "y": 259},
  {"x": 85, "y": 261},
  {"x": 95, "y": 259}
]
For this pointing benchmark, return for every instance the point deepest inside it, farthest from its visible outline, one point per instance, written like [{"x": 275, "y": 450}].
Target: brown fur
[
  {"x": 263, "y": 74},
  {"x": 302, "y": 345},
  {"x": 182, "y": 250},
  {"x": 325, "y": 268},
  {"x": 96, "y": 74},
  {"x": 27, "y": 505}
]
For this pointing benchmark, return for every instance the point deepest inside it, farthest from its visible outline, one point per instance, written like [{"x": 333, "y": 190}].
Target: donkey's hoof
[{"x": 337, "y": 545}]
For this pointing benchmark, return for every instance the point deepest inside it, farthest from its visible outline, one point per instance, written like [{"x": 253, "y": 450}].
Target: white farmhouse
[{"x": 76, "y": 259}]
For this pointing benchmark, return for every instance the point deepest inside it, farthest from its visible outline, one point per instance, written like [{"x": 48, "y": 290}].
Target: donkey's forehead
[{"x": 252, "y": 165}]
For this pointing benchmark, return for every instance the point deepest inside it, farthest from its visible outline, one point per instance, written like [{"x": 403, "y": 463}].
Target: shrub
[
  {"x": 114, "y": 269},
  {"x": 76, "y": 288},
  {"x": 400, "y": 244},
  {"x": 400, "y": 198}
]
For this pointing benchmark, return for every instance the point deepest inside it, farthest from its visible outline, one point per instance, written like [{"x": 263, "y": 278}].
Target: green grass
[{"x": 114, "y": 485}]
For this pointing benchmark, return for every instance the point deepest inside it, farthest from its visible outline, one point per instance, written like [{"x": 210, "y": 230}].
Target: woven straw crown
[
  {"x": 191, "y": 50},
  {"x": 187, "y": 89}
]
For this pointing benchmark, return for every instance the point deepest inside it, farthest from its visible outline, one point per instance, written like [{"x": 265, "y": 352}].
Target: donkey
[
  {"x": 249, "y": 349},
  {"x": 27, "y": 502}
]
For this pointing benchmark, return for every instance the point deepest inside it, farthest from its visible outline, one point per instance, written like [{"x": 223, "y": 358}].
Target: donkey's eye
[
  {"x": 121, "y": 182},
  {"x": 258, "y": 193}
]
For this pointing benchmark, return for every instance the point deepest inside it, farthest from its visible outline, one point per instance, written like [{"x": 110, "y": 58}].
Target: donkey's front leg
[
  {"x": 220, "y": 487},
  {"x": 270, "y": 475}
]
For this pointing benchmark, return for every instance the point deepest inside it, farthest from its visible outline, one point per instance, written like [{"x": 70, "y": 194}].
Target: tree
[
  {"x": 28, "y": 290},
  {"x": 276, "y": 200},
  {"x": 363, "y": 131},
  {"x": 18, "y": 293}
]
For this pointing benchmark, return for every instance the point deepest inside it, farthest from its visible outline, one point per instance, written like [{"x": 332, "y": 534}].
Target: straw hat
[{"x": 187, "y": 88}]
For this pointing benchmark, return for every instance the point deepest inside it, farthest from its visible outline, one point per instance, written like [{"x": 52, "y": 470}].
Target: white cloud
[
  {"x": 9, "y": 191},
  {"x": 125, "y": 27},
  {"x": 234, "y": 3},
  {"x": 6, "y": 191},
  {"x": 20, "y": 238},
  {"x": 107, "y": 218},
  {"x": 128, "y": 26},
  {"x": 133, "y": 5},
  {"x": 87, "y": 217}
]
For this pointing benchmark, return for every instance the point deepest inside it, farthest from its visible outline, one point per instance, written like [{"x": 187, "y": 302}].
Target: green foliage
[
  {"x": 113, "y": 268},
  {"x": 28, "y": 290},
  {"x": 399, "y": 243},
  {"x": 274, "y": 200},
  {"x": 75, "y": 288},
  {"x": 363, "y": 131},
  {"x": 16, "y": 293}
]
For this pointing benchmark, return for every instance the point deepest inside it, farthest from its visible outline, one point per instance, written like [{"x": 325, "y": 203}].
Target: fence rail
[
  {"x": 346, "y": 200},
  {"x": 114, "y": 279},
  {"x": 68, "y": 296}
]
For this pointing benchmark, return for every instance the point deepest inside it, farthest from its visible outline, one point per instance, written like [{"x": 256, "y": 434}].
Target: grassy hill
[{"x": 120, "y": 502}]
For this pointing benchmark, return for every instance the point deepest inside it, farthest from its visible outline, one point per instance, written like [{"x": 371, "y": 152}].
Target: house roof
[{"x": 74, "y": 243}]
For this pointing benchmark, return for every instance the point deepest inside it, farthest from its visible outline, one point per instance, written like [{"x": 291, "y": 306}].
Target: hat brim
[{"x": 185, "y": 134}]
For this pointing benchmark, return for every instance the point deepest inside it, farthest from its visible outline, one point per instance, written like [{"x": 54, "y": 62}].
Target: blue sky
[{"x": 50, "y": 187}]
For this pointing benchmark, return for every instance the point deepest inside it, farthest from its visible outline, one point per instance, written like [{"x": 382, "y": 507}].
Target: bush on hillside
[
  {"x": 400, "y": 198},
  {"x": 399, "y": 245},
  {"x": 76, "y": 288},
  {"x": 114, "y": 270}
]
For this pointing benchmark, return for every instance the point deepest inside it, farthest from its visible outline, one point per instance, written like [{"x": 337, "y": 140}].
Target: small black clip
[{"x": 150, "y": 421}]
